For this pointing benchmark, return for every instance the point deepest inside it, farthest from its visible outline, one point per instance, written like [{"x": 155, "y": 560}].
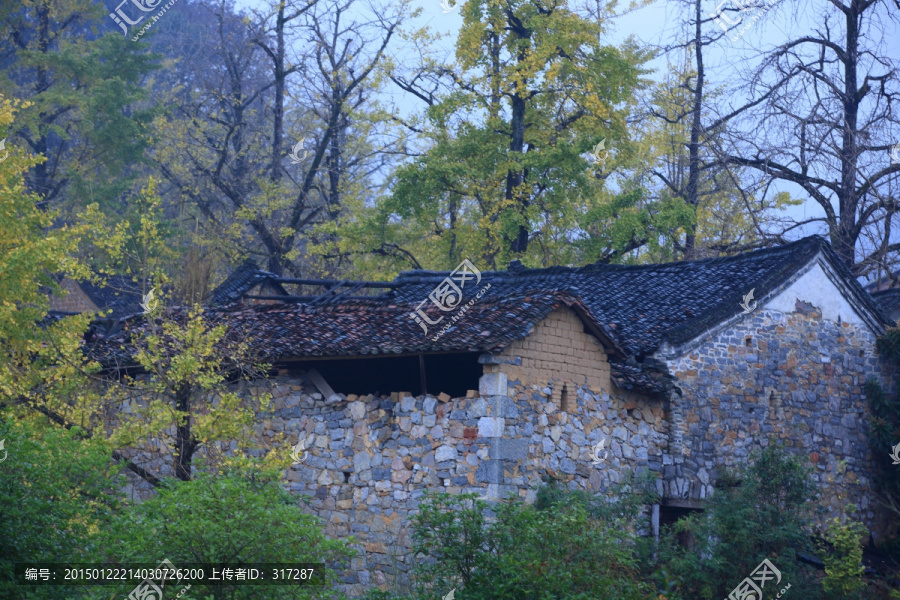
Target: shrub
[
  {"x": 843, "y": 561},
  {"x": 520, "y": 552},
  {"x": 622, "y": 506},
  {"x": 56, "y": 494},
  {"x": 760, "y": 512},
  {"x": 231, "y": 519}
]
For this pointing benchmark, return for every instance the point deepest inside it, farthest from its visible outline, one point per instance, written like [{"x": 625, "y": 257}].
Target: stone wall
[
  {"x": 793, "y": 377},
  {"x": 790, "y": 376},
  {"x": 372, "y": 458}
]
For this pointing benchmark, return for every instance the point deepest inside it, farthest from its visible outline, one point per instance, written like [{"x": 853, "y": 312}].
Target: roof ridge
[{"x": 424, "y": 275}]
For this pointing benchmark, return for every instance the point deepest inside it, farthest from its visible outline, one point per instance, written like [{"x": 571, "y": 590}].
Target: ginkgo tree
[
  {"x": 509, "y": 129},
  {"x": 40, "y": 355},
  {"x": 175, "y": 373},
  {"x": 168, "y": 374}
]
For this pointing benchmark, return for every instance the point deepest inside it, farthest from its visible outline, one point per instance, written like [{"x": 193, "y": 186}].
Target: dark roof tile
[
  {"x": 240, "y": 281},
  {"x": 645, "y": 305}
]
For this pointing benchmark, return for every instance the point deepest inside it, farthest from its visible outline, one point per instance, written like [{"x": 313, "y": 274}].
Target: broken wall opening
[
  {"x": 669, "y": 515},
  {"x": 452, "y": 373}
]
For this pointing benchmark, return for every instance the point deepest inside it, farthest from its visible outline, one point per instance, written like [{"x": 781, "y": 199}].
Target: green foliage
[
  {"x": 763, "y": 516},
  {"x": 727, "y": 211},
  {"x": 40, "y": 358},
  {"x": 843, "y": 560},
  {"x": 884, "y": 432},
  {"x": 521, "y": 552},
  {"x": 532, "y": 92},
  {"x": 59, "y": 502},
  {"x": 233, "y": 518},
  {"x": 621, "y": 507},
  {"x": 55, "y": 498},
  {"x": 377, "y": 594},
  {"x": 628, "y": 220},
  {"x": 87, "y": 109}
]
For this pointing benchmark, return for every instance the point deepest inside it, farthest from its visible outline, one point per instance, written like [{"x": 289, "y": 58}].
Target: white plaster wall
[{"x": 817, "y": 289}]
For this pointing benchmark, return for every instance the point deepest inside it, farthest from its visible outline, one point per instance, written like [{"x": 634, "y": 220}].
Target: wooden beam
[{"x": 422, "y": 373}]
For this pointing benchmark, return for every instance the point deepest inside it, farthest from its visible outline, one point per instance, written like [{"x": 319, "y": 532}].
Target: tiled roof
[
  {"x": 889, "y": 301},
  {"x": 359, "y": 328},
  {"x": 645, "y": 305},
  {"x": 633, "y": 310},
  {"x": 241, "y": 281},
  {"x": 118, "y": 293}
]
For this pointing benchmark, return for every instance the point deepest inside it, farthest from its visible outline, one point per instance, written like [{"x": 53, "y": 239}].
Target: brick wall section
[
  {"x": 75, "y": 301},
  {"x": 558, "y": 351},
  {"x": 793, "y": 377}
]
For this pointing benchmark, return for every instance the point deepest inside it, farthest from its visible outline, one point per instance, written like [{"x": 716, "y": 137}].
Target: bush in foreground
[
  {"x": 235, "y": 518},
  {"x": 521, "y": 552}
]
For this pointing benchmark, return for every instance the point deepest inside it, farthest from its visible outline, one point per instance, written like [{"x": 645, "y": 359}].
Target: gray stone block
[
  {"x": 489, "y": 471},
  {"x": 492, "y": 384},
  {"x": 445, "y": 453},
  {"x": 478, "y": 409},
  {"x": 516, "y": 449},
  {"x": 490, "y": 427}
]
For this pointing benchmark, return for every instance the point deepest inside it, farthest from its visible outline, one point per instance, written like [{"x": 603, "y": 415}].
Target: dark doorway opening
[
  {"x": 452, "y": 374},
  {"x": 669, "y": 516}
]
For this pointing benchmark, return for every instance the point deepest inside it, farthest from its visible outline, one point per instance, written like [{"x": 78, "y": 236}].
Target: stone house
[{"x": 529, "y": 370}]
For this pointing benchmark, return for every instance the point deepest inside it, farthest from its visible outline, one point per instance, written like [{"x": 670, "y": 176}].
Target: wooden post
[{"x": 422, "y": 373}]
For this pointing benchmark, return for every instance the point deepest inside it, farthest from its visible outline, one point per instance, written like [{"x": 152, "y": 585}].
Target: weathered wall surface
[
  {"x": 372, "y": 458},
  {"x": 558, "y": 349},
  {"x": 796, "y": 377},
  {"x": 75, "y": 301},
  {"x": 793, "y": 376}
]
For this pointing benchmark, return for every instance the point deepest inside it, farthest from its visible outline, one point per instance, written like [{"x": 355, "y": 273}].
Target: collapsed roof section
[
  {"x": 285, "y": 331},
  {"x": 243, "y": 279}
]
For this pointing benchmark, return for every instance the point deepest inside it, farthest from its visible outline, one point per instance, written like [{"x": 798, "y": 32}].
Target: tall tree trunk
[
  {"x": 184, "y": 444},
  {"x": 278, "y": 108},
  {"x": 41, "y": 177},
  {"x": 843, "y": 239},
  {"x": 692, "y": 191},
  {"x": 515, "y": 176}
]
